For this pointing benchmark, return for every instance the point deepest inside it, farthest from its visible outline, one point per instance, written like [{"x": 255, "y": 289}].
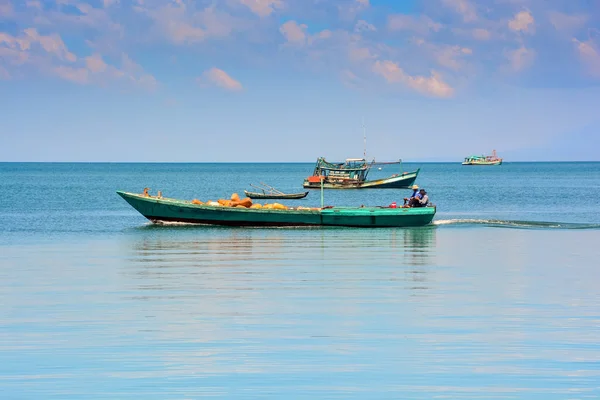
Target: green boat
[
  {"x": 483, "y": 160},
  {"x": 158, "y": 209},
  {"x": 352, "y": 174}
]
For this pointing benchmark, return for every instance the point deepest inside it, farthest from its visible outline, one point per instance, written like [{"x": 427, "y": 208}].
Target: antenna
[{"x": 364, "y": 139}]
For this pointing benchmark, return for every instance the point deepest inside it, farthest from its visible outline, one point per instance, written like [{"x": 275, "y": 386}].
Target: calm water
[{"x": 500, "y": 298}]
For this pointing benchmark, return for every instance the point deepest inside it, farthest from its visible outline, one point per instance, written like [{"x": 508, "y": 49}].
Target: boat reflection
[
  {"x": 244, "y": 256},
  {"x": 418, "y": 245}
]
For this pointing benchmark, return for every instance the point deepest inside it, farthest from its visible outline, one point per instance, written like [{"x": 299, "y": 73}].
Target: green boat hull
[
  {"x": 482, "y": 163},
  {"x": 171, "y": 210}
]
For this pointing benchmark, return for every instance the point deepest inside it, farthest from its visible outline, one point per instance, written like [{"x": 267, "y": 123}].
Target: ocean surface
[{"x": 498, "y": 299}]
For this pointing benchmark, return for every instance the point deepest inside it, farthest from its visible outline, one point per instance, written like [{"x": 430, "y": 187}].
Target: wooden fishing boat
[
  {"x": 352, "y": 174},
  {"x": 269, "y": 192},
  {"x": 158, "y": 209},
  {"x": 483, "y": 160},
  {"x": 282, "y": 196}
]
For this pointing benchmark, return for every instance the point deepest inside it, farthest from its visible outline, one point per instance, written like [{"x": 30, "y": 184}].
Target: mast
[{"x": 364, "y": 139}]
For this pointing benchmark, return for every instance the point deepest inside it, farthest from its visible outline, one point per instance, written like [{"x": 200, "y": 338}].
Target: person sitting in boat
[
  {"x": 414, "y": 194},
  {"x": 420, "y": 201}
]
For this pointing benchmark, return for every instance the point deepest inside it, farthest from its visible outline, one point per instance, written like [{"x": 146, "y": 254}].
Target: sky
[{"x": 293, "y": 80}]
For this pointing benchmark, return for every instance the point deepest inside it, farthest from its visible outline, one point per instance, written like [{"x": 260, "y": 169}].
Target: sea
[{"x": 499, "y": 298}]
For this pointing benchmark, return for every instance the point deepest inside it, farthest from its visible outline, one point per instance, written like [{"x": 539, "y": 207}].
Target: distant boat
[
  {"x": 483, "y": 160},
  {"x": 159, "y": 209},
  {"x": 352, "y": 174},
  {"x": 269, "y": 192}
]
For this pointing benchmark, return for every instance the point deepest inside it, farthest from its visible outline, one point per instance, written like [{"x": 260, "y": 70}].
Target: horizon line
[{"x": 273, "y": 162}]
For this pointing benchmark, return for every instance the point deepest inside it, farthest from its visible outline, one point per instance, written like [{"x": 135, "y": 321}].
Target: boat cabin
[{"x": 353, "y": 169}]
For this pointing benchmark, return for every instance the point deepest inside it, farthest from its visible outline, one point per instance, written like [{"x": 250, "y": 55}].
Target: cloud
[
  {"x": 134, "y": 73},
  {"x": 294, "y": 33},
  {"x": 364, "y": 26},
  {"x": 447, "y": 56},
  {"x": 522, "y": 22},
  {"x": 53, "y": 44},
  {"x": 30, "y": 38},
  {"x": 218, "y": 77},
  {"x": 567, "y": 23},
  {"x": 34, "y": 4},
  {"x": 171, "y": 20},
  {"x": 521, "y": 58},
  {"x": 6, "y": 8},
  {"x": 349, "y": 9},
  {"x": 182, "y": 32},
  {"x": 421, "y": 24},
  {"x": 262, "y": 8},
  {"x": 86, "y": 17},
  {"x": 108, "y": 3},
  {"x": 75, "y": 75},
  {"x": 13, "y": 56},
  {"x": 481, "y": 34},
  {"x": 50, "y": 56},
  {"x": 182, "y": 25},
  {"x": 433, "y": 85},
  {"x": 589, "y": 52},
  {"x": 350, "y": 79},
  {"x": 96, "y": 71},
  {"x": 358, "y": 54},
  {"x": 492, "y": 30},
  {"x": 464, "y": 8},
  {"x": 95, "y": 63}
]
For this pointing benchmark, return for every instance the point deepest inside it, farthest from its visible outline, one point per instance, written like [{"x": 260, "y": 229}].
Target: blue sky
[{"x": 292, "y": 80}]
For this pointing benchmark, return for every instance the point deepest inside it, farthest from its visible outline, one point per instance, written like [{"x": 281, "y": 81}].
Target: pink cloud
[
  {"x": 182, "y": 32},
  {"x": 293, "y": 32},
  {"x": 14, "y": 56},
  {"x": 449, "y": 56},
  {"x": 349, "y": 78},
  {"x": 463, "y": 7},
  {"x": 6, "y": 9},
  {"x": 481, "y": 34},
  {"x": 49, "y": 55},
  {"x": 567, "y": 23},
  {"x": 51, "y": 44},
  {"x": 76, "y": 75},
  {"x": 589, "y": 52},
  {"x": 358, "y": 54},
  {"x": 218, "y": 77},
  {"x": 96, "y": 71},
  {"x": 181, "y": 24},
  {"x": 262, "y": 8},
  {"x": 95, "y": 63},
  {"x": 34, "y": 4},
  {"x": 521, "y": 58},
  {"x": 522, "y": 22},
  {"x": 88, "y": 17},
  {"x": 364, "y": 26},
  {"x": 432, "y": 85},
  {"x": 348, "y": 10},
  {"x": 420, "y": 24}
]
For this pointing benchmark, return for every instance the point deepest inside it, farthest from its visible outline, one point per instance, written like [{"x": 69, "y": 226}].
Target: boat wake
[
  {"x": 171, "y": 223},
  {"x": 498, "y": 223}
]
